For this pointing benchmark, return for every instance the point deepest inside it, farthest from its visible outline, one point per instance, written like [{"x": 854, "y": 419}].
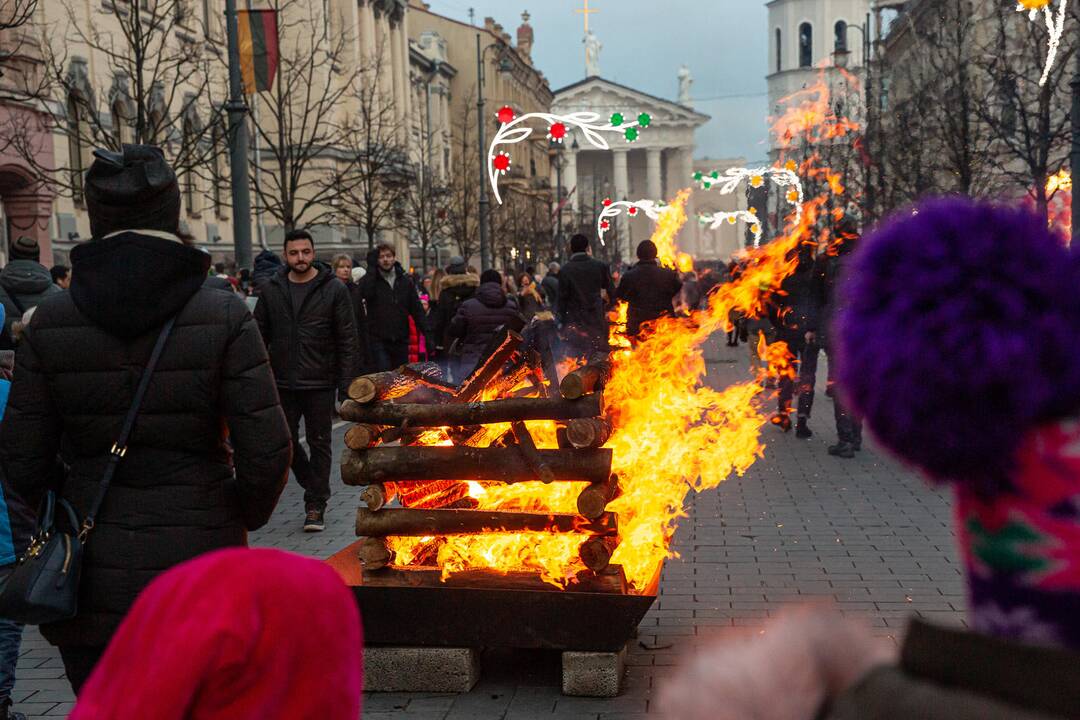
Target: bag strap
[{"x": 119, "y": 448}]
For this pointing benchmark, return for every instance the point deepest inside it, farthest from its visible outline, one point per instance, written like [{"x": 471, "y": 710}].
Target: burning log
[
  {"x": 470, "y": 413},
  {"x": 610, "y": 581},
  {"x": 374, "y": 554},
  {"x": 437, "y": 494},
  {"x": 393, "y": 384},
  {"x": 585, "y": 380},
  {"x": 423, "y": 463},
  {"x": 420, "y": 523},
  {"x": 593, "y": 500},
  {"x": 588, "y": 432},
  {"x": 596, "y": 552},
  {"x": 377, "y": 496},
  {"x": 527, "y": 447},
  {"x": 504, "y": 347},
  {"x": 363, "y": 436}
]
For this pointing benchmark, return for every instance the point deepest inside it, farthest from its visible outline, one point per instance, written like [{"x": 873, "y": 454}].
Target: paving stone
[
  {"x": 412, "y": 669},
  {"x": 593, "y": 674}
]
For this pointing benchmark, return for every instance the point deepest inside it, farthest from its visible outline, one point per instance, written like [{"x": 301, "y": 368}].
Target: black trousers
[
  {"x": 316, "y": 407},
  {"x": 79, "y": 662},
  {"x": 848, "y": 424},
  {"x": 805, "y": 362},
  {"x": 389, "y": 356}
]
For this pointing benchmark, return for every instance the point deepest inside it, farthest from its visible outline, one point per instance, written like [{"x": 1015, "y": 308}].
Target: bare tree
[
  {"x": 164, "y": 91},
  {"x": 19, "y": 51},
  {"x": 376, "y": 183},
  {"x": 425, "y": 215},
  {"x": 462, "y": 208},
  {"x": 303, "y": 124}
]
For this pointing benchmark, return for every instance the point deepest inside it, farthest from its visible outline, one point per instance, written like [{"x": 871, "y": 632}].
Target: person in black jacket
[
  {"x": 209, "y": 453},
  {"x": 390, "y": 298},
  {"x": 24, "y": 282},
  {"x": 457, "y": 286},
  {"x": 480, "y": 316},
  {"x": 306, "y": 318},
  {"x": 790, "y": 312},
  {"x": 582, "y": 284},
  {"x": 550, "y": 287},
  {"x": 648, "y": 289}
]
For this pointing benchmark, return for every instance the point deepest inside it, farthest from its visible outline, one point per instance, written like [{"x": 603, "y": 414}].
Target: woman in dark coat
[
  {"x": 528, "y": 297},
  {"x": 209, "y": 453},
  {"x": 481, "y": 316}
]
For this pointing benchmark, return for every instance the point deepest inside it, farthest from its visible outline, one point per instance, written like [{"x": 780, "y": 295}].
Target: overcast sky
[{"x": 724, "y": 42}]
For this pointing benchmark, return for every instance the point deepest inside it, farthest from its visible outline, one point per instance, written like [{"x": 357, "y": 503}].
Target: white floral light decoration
[
  {"x": 516, "y": 128},
  {"x": 612, "y": 209},
  {"x": 729, "y": 181},
  {"x": 1055, "y": 25},
  {"x": 716, "y": 220}
]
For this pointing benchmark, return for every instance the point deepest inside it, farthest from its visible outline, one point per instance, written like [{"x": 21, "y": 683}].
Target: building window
[
  {"x": 806, "y": 45},
  {"x": 779, "y": 50},
  {"x": 121, "y": 125},
  {"x": 841, "y": 36},
  {"x": 75, "y": 147}
]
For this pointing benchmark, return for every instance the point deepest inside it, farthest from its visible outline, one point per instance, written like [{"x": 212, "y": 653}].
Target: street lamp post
[{"x": 238, "y": 138}]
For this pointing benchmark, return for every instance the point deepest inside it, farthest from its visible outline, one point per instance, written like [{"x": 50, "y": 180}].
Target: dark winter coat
[
  {"x": 267, "y": 265},
  {"x": 947, "y": 674},
  {"x": 453, "y": 291},
  {"x": 791, "y": 310},
  {"x": 479, "y": 317},
  {"x": 550, "y": 287},
  {"x": 389, "y": 308},
  {"x": 580, "y": 282},
  {"x": 23, "y": 285},
  {"x": 824, "y": 287},
  {"x": 648, "y": 290},
  {"x": 210, "y": 450},
  {"x": 317, "y": 347}
]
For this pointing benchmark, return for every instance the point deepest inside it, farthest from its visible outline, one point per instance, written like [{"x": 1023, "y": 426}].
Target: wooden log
[
  {"x": 584, "y": 380},
  {"x": 420, "y": 523},
  {"x": 393, "y": 384},
  {"x": 363, "y": 435},
  {"x": 611, "y": 581},
  {"x": 377, "y": 496},
  {"x": 596, "y": 552},
  {"x": 504, "y": 347},
  {"x": 527, "y": 447},
  {"x": 592, "y": 502},
  {"x": 588, "y": 432},
  {"x": 374, "y": 554},
  {"x": 470, "y": 413},
  {"x": 425, "y": 463}
]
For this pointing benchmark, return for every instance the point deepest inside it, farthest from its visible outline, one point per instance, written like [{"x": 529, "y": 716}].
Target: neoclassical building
[{"x": 655, "y": 167}]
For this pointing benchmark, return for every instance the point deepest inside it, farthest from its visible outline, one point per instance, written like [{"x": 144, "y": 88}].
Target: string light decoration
[
  {"x": 516, "y": 129},
  {"x": 612, "y": 209},
  {"x": 730, "y": 180},
  {"x": 716, "y": 220},
  {"x": 1055, "y": 25}
]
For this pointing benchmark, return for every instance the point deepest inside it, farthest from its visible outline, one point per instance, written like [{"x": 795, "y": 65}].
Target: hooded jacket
[
  {"x": 389, "y": 308},
  {"x": 649, "y": 291},
  {"x": 232, "y": 636},
  {"x": 313, "y": 347},
  {"x": 479, "y": 317},
  {"x": 580, "y": 282},
  {"x": 210, "y": 450},
  {"x": 23, "y": 285},
  {"x": 455, "y": 289},
  {"x": 267, "y": 264}
]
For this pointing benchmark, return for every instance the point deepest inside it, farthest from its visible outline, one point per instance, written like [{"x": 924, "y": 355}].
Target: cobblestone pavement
[{"x": 800, "y": 525}]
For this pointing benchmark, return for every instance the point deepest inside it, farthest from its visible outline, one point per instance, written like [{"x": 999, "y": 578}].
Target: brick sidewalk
[{"x": 801, "y": 525}]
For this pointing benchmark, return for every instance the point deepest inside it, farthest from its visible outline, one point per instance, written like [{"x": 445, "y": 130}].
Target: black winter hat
[
  {"x": 25, "y": 248},
  {"x": 132, "y": 190}
]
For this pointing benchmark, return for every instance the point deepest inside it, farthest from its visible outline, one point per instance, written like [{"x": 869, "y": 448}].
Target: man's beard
[{"x": 300, "y": 267}]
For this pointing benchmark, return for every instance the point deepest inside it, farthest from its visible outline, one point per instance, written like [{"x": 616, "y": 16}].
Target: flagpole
[
  {"x": 258, "y": 177},
  {"x": 238, "y": 140}
]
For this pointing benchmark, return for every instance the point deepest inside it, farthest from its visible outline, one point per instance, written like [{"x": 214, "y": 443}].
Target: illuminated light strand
[
  {"x": 728, "y": 182},
  {"x": 716, "y": 220},
  {"x": 1054, "y": 25},
  {"x": 652, "y": 208},
  {"x": 515, "y": 129}
]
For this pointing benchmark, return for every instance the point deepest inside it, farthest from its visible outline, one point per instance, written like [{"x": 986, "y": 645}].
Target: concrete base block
[
  {"x": 420, "y": 669},
  {"x": 593, "y": 674}
]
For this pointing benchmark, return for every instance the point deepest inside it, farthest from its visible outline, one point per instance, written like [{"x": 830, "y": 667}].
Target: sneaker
[
  {"x": 314, "y": 521},
  {"x": 802, "y": 430},
  {"x": 857, "y": 446},
  {"x": 6, "y": 713},
  {"x": 782, "y": 421},
  {"x": 842, "y": 450}
]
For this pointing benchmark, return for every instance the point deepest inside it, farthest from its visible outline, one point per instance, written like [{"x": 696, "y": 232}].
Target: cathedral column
[
  {"x": 682, "y": 178},
  {"x": 654, "y": 175},
  {"x": 619, "y": 159},
  {"x": 569, "y": 177},
  {"x": 368, "y": 42}
]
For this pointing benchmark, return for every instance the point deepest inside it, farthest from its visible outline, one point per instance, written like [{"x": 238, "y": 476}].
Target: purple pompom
[{"x": 960, "y": 333}]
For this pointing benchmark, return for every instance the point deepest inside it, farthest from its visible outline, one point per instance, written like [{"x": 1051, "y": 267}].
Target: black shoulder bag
[{"x": 44, "y": 586}]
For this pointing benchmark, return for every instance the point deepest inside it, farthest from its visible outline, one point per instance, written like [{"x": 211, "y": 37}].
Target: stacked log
[{"x": 486, "y": 420}]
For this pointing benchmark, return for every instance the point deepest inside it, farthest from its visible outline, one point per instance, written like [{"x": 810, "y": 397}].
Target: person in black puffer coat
[
  {"x": 480, "y": 316},
  {"x": 24, "y": 282},
  {"x": 648, "y": 289},
  {"x": 790, "y": 312},
  {"x": 209, "y": 453}
]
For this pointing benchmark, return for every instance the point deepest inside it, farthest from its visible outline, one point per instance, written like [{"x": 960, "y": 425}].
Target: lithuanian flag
[{"x": 259, "y": 52}]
